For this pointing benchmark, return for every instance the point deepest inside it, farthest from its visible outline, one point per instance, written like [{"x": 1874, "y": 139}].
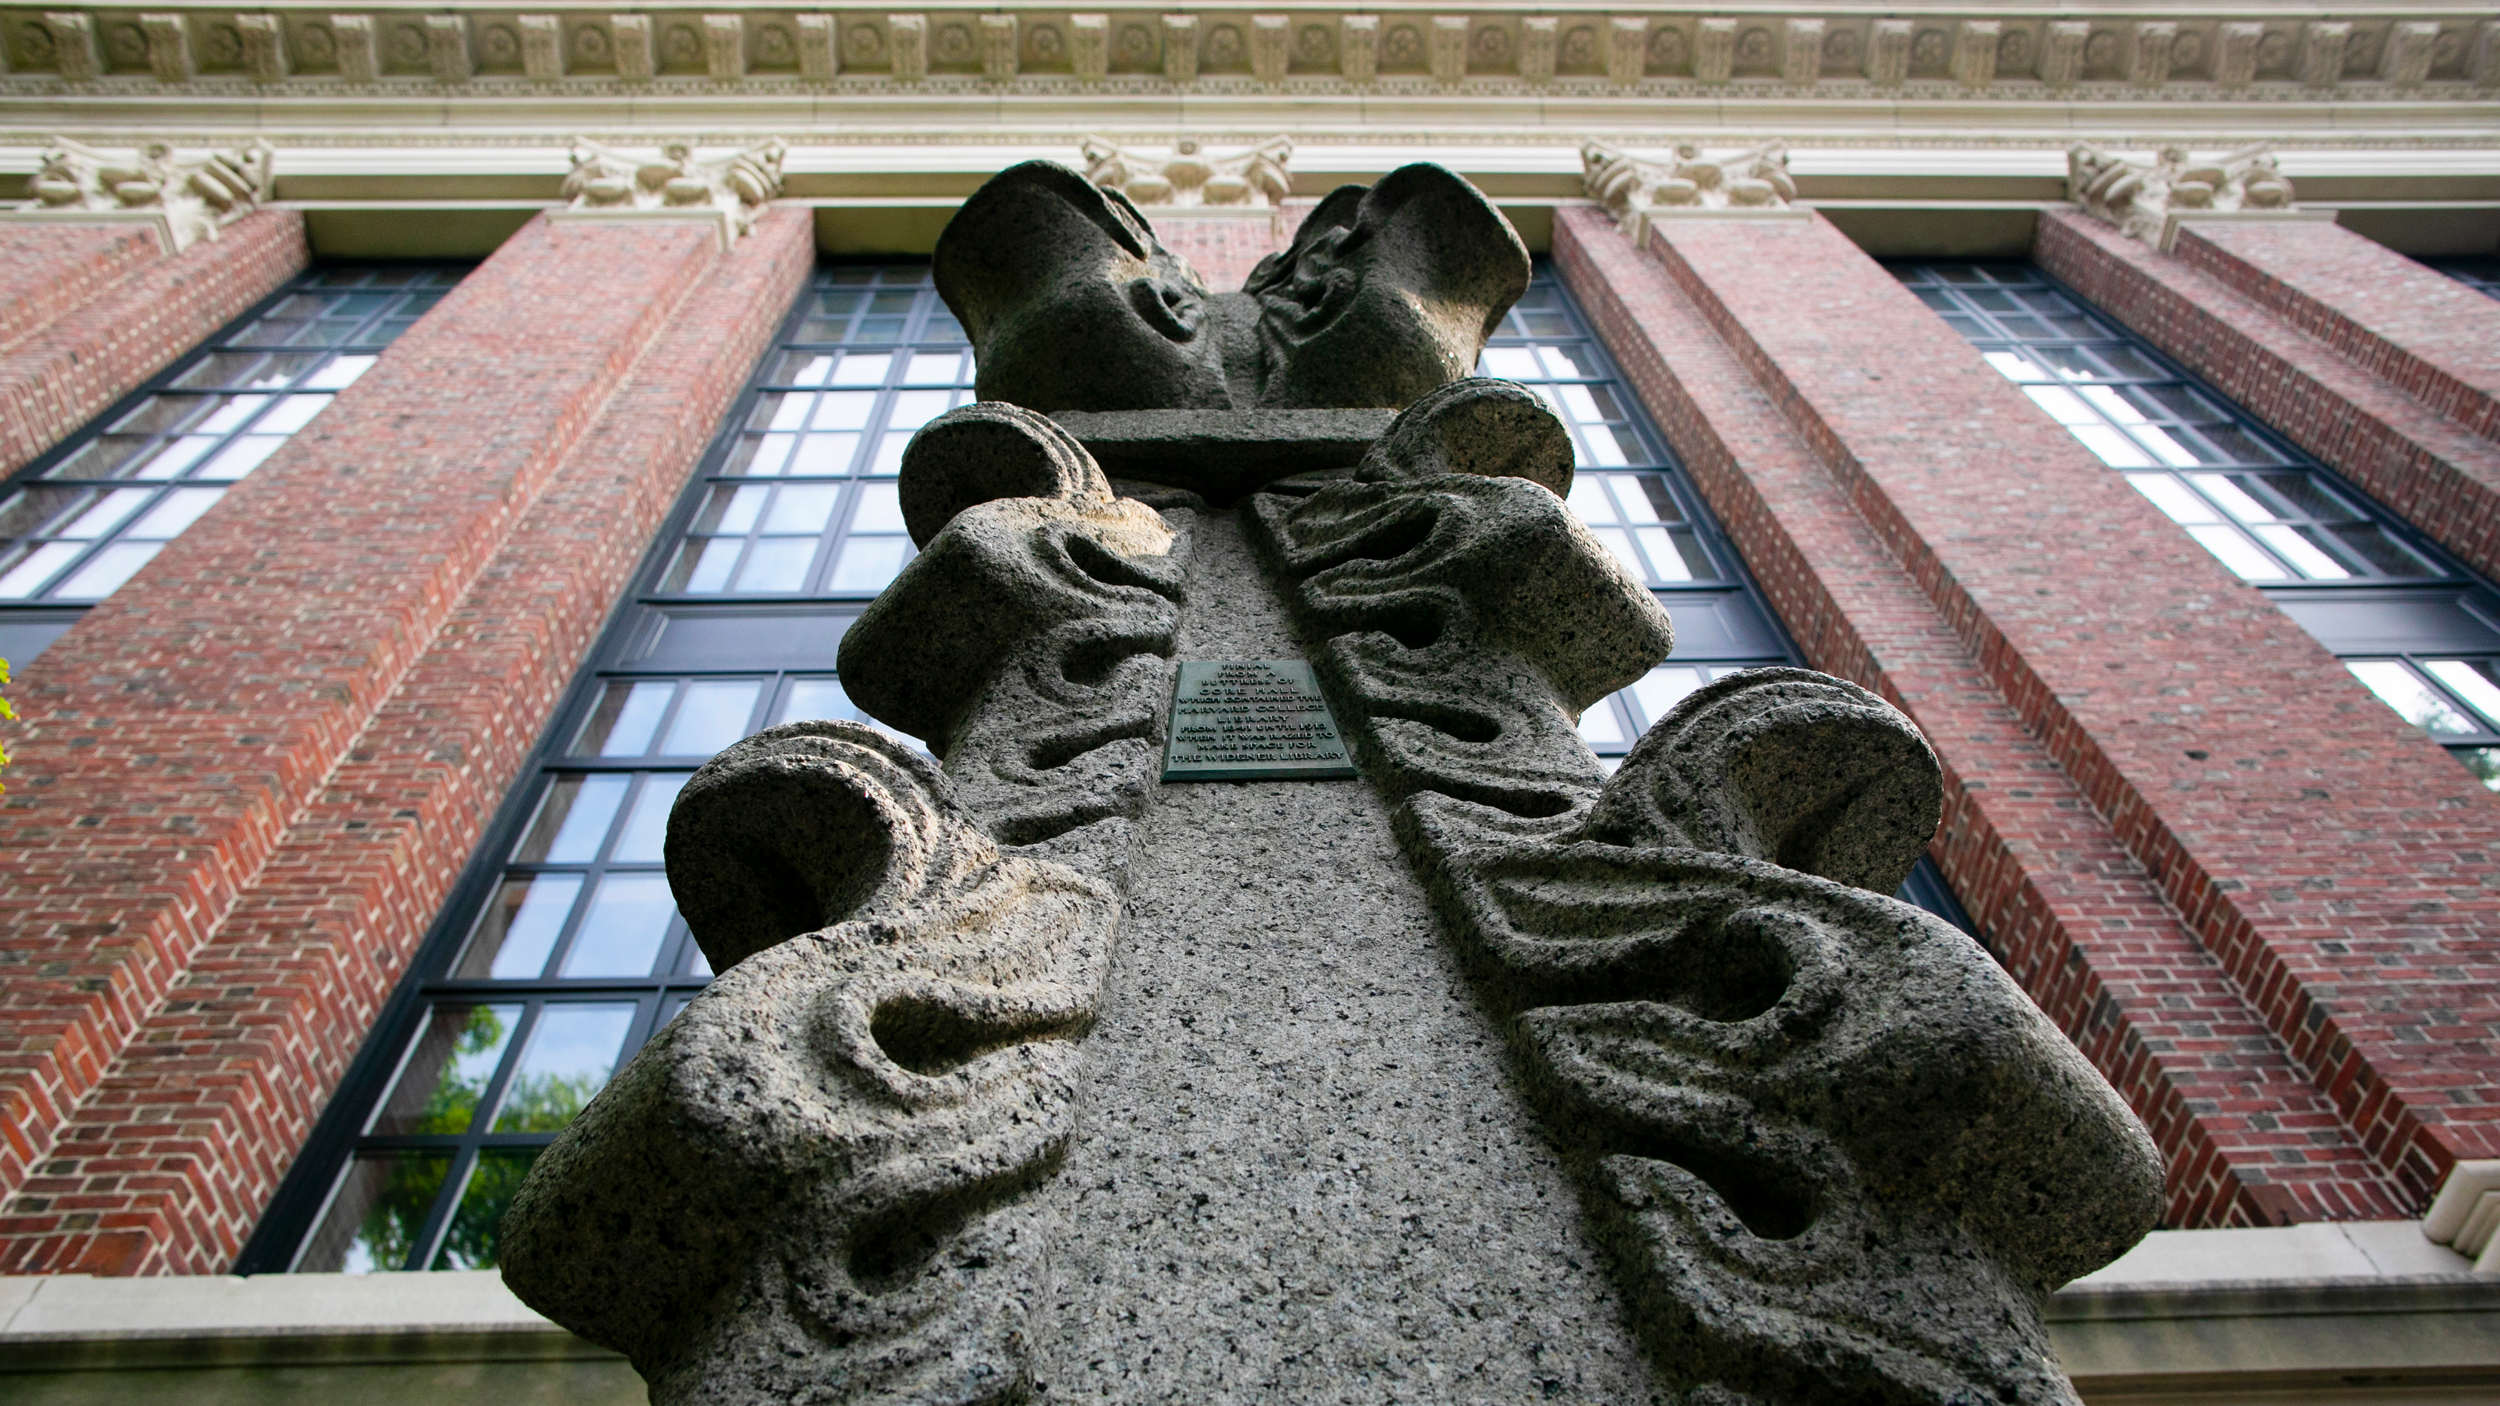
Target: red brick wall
[
  {"x": 2246, "y": 1136},
  {"x": 177, "y": 737},
  {"x": 1224, "y": 250},
  {"x": 2437, "y": 339},
  {"x": 2370, "y": 393},
  {"x": 173, "y": 1155},
  {"x": 2328, "y": 857},
  {"x": 118, "y": 315},
  {"x": 48, "y": 270}
]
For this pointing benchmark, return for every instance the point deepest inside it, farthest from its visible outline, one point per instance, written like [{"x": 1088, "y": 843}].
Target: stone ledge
[
  {"x": 2188, "y": 1315},
  {"x": 1223, "y": 453},
  {"x": 80, "y": 1322}
]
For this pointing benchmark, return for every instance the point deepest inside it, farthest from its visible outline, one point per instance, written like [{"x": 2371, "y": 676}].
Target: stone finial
[
  {"x": 606, "y": 182},
  {"x": 1189, "y": 176},
  {"x": 189, "y": 198},
  {"x": 1632, "y": 189},
  {"x": 2146, "y": 199}
]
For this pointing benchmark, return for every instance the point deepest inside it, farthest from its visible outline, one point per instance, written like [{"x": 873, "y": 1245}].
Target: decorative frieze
[
  {"x": 1752, "y": 181},
  {"x": 1324, "y": 50},
  {"x": 607, "y": 184},
  {"x": 186, "y": 198},
  {"x": 2148, "y": 199},
  {"x": 1188, "y": 176}
]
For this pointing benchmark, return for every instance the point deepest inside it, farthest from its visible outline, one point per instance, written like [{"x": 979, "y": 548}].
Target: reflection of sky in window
[
  {"x": 574, "y": 1045},
  {"x": 2159, "y": 422},
  {"x": 214, "y": 422},
  {"x": 623, "y": 928}
]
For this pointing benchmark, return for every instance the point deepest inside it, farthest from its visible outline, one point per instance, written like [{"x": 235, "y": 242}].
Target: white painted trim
[
  {"x": 2176, "y": 219},
  {"x": 718, "y": 219}
]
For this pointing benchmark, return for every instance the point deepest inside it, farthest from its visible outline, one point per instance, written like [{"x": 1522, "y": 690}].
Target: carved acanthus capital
[
  {"x": 187, "y": 198},
  {"x": 1633, "y": 187},
  {"x": 2146, "y": 199},
  {"x": 606, "y": 182},
  {"x": 1187, "y": 176}
]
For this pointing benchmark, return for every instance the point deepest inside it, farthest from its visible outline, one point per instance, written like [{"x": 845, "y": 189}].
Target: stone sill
[{"x": 2309, "y": 1312}]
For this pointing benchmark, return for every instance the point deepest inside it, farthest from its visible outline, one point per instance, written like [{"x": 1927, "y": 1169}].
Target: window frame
[
  {"x": 32, "y": 614},
  {"x": 297, "y": 1211},
  {"x": 2448, "y": 581}
]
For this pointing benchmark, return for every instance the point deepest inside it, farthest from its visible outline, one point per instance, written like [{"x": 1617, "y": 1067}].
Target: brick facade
[
  {"x": 48, "y": 271},
  {"x": 1225, "y": 250},
  {"x": 2187, "y": 827},
  {"x": 245, "y": 782},
  {"x": 89, "y": 312},
  {"x": 2383, "y": 369}
]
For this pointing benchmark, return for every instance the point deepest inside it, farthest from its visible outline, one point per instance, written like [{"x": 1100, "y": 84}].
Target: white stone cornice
[
  {"x": 186, "y": 199},
  {"x": 2152, "y": 46}
]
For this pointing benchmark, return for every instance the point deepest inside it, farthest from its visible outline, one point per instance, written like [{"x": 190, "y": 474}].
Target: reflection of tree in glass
[
  {"x": 454, "y": 1100},
  {"x": 470, "y": 1242},
  {"x": 2484, "y": 762},
  {"x": 544, "y": 1103},
  {"x": 397, "y": 1214}
]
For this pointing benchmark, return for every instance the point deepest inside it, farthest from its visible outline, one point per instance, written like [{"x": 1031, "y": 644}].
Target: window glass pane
[
  {"x": 776, "y": 565},
  {"x": 1661, "y": 689},
  {"x": 35, "y": 566},
  {"x": 2239, "y": 554},
  {"x": 2373, "y": 544},
  {"x": 571, "y": 1052},
  {"x": 104, "y": 572},
  {"x": 869, "y": 563},
  {"x": 339, "y": 372},
  {"x": 2293, "y": 545},
  {"x": 174, "y": 512},
  {"x": 518, "y": 930},
  {"x": 646, "y": 825},
  {"x": 572, "y": 820},
  {"x": 815, "y": 699},
  {"x": 2484, "y": 762},
  {"x": 2477, "y": 681},
  {"x": 444, "y": 1080},
  {"x": 469, "y": 1242},
  {"x": 2415, "y": 701},
  {"x": 625, "y": 719},
  {"x": 880, "y": 509},
  {"x": 713, "y": 715},
  {"x": 291, "y": 414},
  {"x": 622, "y": 930},
  {"x": 376, "y": 1213},
  {"x": 1602, "y": 729},
  {"x": 102, "y": 513}
]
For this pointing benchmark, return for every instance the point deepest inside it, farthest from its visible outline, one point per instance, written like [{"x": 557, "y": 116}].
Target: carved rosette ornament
[
  {"x": 1633, "y": 188},
  {"x": 1187, "y": 176},
  {"x": 607, "y": 182},
  {"x": 188, "y": 198},
  {"x": 2147, "y": 199},
  {"x": 1832, "y": 1153}
]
